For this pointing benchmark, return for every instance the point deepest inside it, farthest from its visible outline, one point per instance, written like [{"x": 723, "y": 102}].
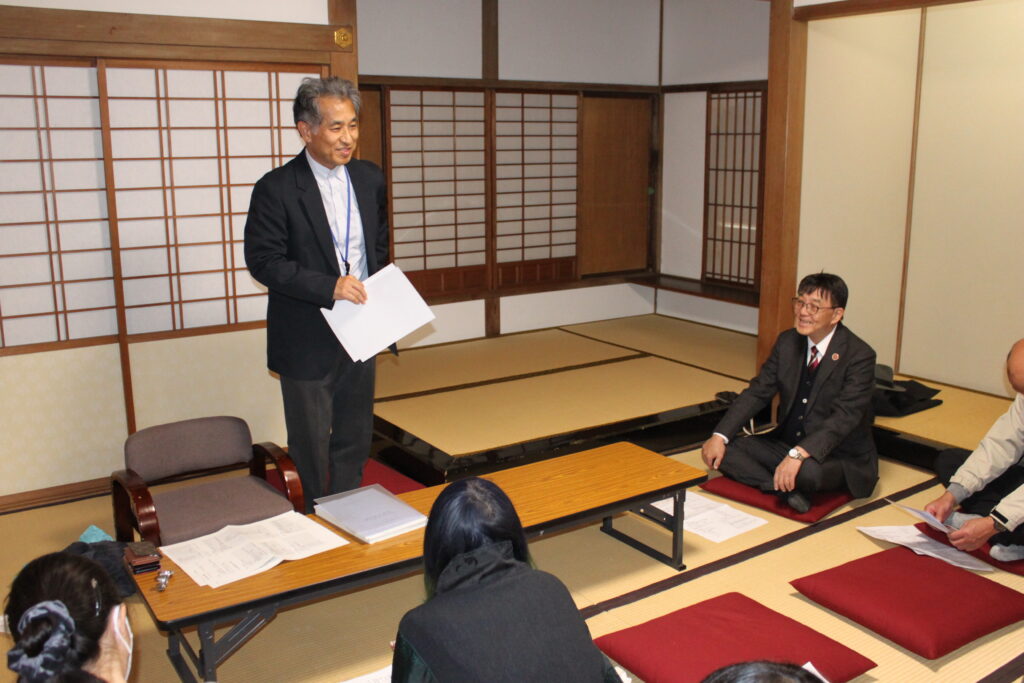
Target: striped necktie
[{"x": 815, "y": 359}]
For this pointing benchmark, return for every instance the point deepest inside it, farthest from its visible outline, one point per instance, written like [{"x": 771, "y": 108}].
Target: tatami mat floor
[{"x": 333, "y": 640}]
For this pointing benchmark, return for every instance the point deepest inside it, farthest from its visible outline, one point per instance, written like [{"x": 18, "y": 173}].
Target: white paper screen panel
[
  {"x": 55, "y": 269},
  {"x": 535, "y": 175},
  {"x": 439, "y": 193},
  {"x": 187, "y": 145}
]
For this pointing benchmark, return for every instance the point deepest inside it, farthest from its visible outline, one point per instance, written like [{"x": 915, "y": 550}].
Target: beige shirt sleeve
[{"x": 1001, "y": 448}]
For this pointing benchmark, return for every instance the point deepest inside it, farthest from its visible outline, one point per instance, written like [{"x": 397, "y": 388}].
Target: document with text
[
  {"x": 239, "y": 551},
  {"x": 710, "y": 519},
  {"x": 393, "y": 309}
]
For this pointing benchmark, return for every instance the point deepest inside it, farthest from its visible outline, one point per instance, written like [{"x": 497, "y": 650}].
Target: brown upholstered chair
[{"x": 173, "y": 451}]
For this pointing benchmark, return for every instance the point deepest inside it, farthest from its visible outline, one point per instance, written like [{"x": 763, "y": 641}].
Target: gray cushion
[
  {"x": 186, "y": 446},
  {"x": 190, "y": 511}
]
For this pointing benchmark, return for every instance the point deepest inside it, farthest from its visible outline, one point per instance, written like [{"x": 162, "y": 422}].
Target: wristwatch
[
  {"x": 998, "y": 521},
  {"x": 796, "y": 455}
]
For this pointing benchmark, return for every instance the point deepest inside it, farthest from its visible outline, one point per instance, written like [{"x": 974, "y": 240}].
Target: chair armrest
[
  {"x": 267, "y": 450},
  {"x": 133, "y": 507}
]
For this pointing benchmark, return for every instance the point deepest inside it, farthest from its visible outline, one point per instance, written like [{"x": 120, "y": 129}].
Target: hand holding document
[
  {"x": 926, "y": 517},
  {"x": 393, "y": 309},
  {"x": 912, "y": 538}
]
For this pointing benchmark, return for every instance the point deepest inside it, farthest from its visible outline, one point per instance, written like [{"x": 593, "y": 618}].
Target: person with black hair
[
  {"x": 761, "y": 671},
  {"x": 317, "y": 227},
  {"x": 824, "y": 376},
  {"x": 489, "y": 615},
  {"x": 68, "y": 623}
]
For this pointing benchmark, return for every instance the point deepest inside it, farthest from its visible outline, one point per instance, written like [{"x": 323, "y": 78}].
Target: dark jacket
[
  {"x": 837, "y": 422},
  {"x": 288, "y": 248},
  {"x": 495, "y": 619}
]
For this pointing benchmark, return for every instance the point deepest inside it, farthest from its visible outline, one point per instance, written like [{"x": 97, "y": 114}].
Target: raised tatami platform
[{"x": 475, "y": 406}]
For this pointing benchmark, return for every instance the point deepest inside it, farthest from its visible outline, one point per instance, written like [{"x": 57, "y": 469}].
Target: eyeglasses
[{"x": 812, "y": 308}]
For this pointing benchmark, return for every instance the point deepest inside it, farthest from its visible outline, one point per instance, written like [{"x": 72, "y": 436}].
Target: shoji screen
[
  {"x": 55, "y": 264},
  {"x": 535, "y": 170},
  {"x": 437, "y": 173},
  {"x": 187, "y": 146}
]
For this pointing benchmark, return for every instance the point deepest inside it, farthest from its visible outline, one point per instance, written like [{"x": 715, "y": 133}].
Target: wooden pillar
[
  {"x": 341, "y": 17},
  {"x": 787, "y": 66}
]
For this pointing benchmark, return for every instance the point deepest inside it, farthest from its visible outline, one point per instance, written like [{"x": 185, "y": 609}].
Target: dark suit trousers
[
  {"x": 330, "y": 426},
  {"x": 752, "y": 460},
  {"x": 982, "y": 503}
]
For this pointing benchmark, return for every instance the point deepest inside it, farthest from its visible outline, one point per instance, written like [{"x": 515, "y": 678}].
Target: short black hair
[
  {"x": 761, "y": 671},
  {"x": 468, "y": 514},
  {"x": 831, "y": 284},
  {"x": 87, "y": 592}
]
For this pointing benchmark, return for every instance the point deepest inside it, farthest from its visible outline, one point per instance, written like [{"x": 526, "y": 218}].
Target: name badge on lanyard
[{"x": 348, "y": 225}]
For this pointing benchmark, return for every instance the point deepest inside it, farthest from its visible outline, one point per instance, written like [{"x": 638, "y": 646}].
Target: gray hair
[{"x": 307, "y": 100}]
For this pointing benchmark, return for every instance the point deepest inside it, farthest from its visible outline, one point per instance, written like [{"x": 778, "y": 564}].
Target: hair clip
[{"x": 96, "y": 596}]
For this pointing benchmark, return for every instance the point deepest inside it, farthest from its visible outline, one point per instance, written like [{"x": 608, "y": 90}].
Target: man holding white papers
[
  {"x": 317, "y": 227},
  {"x": 988, "y": 484}
]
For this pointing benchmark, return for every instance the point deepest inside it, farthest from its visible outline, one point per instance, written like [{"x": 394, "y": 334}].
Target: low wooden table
[{"x": 548, "y": 495}]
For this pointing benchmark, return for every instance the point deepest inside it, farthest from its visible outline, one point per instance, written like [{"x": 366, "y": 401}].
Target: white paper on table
[
  {"x": 393, "y": 309},
  {"x": 926, "y": 517},
  {"x": 710, "y": 519},
  {"x": 922, "y": 544},
  {"x": 238, "y": 551}
]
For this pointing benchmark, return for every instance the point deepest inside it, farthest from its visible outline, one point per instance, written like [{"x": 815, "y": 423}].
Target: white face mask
[{"x": 127, "y": 642}]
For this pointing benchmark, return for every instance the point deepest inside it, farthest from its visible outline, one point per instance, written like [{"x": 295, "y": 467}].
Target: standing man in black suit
[
  {"x": 824, "y": 377},
  {"x": 317, "y": 227}
]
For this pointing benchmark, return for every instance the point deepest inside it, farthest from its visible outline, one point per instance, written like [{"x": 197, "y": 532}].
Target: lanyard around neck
[{"x": 348, "y": 223}]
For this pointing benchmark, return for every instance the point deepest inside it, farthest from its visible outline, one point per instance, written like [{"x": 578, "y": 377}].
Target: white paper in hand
[{"x": 393, "y": 309}]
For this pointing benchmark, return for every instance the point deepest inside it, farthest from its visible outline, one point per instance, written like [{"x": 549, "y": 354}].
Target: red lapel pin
[{"x": 835, "y": 356}]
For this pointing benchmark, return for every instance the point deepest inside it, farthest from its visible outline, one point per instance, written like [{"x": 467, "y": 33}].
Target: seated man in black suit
[{"x": 824, "y": 377}]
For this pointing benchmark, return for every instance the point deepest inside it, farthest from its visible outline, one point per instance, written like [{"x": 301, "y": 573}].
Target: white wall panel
[
  {"x": 708, "y": 311},
  {"x": 453, "y": 322},
  {"x": 707, "y": 41},
  {"x": 861, "y": 76},
  {"x": 62, "y": 417},
  {"x": 296, "y": 11},
  {"x": 592, "y": 41},
  {"x": 226, "y": 374},
  {"x": 682, "y": 184},
  {"x": 964, "y": 282},
  {"x": 570, "y": 306},
  {"x": 439, "y": 38}
]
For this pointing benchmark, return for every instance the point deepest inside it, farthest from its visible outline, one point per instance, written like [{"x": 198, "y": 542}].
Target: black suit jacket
[
  {"x": 837, "y": 422},
  {"x": 288, "y": 248}
]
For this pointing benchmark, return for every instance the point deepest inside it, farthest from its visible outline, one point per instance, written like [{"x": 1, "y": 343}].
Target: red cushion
[
  {"x": 392, "y": 480},
  {"x": 690, "y": 643},
  {"x": 821, "y": 503},
  {"x": 981, "y": 553},
  {"x": 373, "y": 473},
  {"x": 922, "y": 603}
]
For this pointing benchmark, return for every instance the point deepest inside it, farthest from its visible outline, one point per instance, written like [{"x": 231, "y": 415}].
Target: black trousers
[
  {"x": 947, "y": 462},
  {"x": 752, "y": 460},
  {"x": 330, "y": 427}
]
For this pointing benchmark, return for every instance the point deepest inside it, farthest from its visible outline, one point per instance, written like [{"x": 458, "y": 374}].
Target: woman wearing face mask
[{"x": 68, "y": 623}]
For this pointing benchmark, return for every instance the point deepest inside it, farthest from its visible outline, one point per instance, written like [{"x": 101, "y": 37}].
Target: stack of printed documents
[
  {"x": 239, "y": 551},
  {"x": 371, "y": 513}
]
